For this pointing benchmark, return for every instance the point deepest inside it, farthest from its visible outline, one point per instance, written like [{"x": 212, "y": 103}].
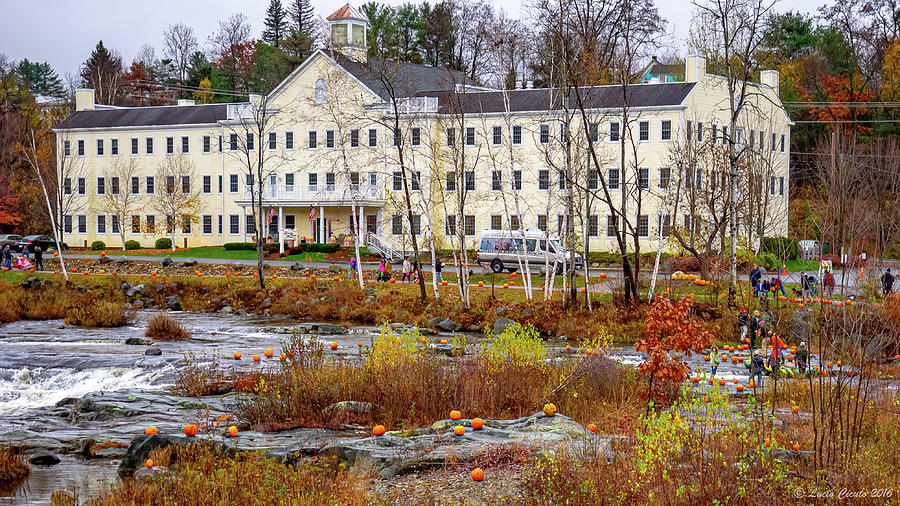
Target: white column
[
  {"x": 378, "y": 221},
  {"x": 323, "y": 229},
  {"x": 360, "y": 226},
  {"x": 280, "y": 229},
  {"x": 244, "y": 224}
]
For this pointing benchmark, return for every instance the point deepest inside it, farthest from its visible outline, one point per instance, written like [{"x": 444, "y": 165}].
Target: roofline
[
  {"x": 176, "y": 126},
  {"x": 559, "y": 112},
  {"x": 279, "y": 89}
]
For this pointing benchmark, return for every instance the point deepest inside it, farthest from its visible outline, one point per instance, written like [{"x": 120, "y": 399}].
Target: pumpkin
[
  {"x": 722, "y": 382},
  {"x": 477, "y": 423},
  {"x": 477, "y": 474},
  {"x": 54, "y": 272},
  {"x": 583, "y": 290},
  {"x": 724, "y": 357},
  {"x": 274, "y": 276},
  {"x": 151, "y": 430},
  {"x": 312, "y": 276},
  {"x": 851, "y": 373},
  {"x": 455, "y": 415},
  {"x": 512, "y": 283},
  {"x": 282, "y": 357},
  {"x": 359, "y": 343},
  {"x": 337, "y": 278},
  {"x": 393, "y": 280},
  {"x": 569, "y": 348},
  {"x": 153, "y": 273},
  {"x": 696, "y": 379},
  {"x": 334, "y": 346},
  {"x": 796, "y": 447},
  {"x": 102, "y": 271},
  {"x": 829, "y": 364},
  {"x": 422, "y": 340},
  {"x": 847, "y": 302},
  {"x": 549, "y": 409},
  {"x": 227, "y": 274},
  {"x": 115, "y": 273},
  {"x": 256, "y": 358},
  {"x": 459, "y": 430},
  {"x": 85, "y": 272},
  {"x": 149, "y": 463},
  {"x": 705, "y": 398},
  {"x": 56, "y": 253},
  {"x": 800, "y": 306},
  {"x": 190, "y": 430},
  {"x": 443, "y": 341},
  {"x": 752, "y": 383},
  {"x": 232, "y": 431},
  {"x": 592, "y": 427},
  {"x": 746, "y": 340},
  {"x": 838, "y": 363},
  {"x": 481, "y": 283},
  {"x": 256, "y": 275},
  {"x": 378, "y": 430},
  {"x": 291, "y": 353},
  {"x": 795, "y": 409},
  {"x": 444, "y": 283},
  {"x": 589, "y": 351},
  {"x": 602, "y": 275},
  {"x": 237, "y": 355},
  {"x": 706, "y": 358},
  {"x": 735, "y": 381},
  {"x": 740, "y": 388},
  {"x": 506, "y": 286},
  {"x": 268, "y": 353}
]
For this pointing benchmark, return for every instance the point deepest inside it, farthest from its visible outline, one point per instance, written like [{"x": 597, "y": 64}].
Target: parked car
[
  {"x": 9, "y": 239},
  {"x": 30, "y": 241},
  {"x": 502, "y": 249}
]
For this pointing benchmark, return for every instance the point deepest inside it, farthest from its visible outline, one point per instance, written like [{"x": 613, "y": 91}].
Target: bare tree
[
  {"x": 119, "y": 201},
  {"x": 63, "y": 182},
  {"x": 180, "y": 44},
  {"x": 179, "y": 198}
]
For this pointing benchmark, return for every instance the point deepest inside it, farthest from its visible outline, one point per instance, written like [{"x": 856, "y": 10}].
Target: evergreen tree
[
  {"x": 276, "y": 24},
  {"x": 103, "y": 72},
  {"x": 303, "y": 17},
  {"x": 40, "y": 78}
]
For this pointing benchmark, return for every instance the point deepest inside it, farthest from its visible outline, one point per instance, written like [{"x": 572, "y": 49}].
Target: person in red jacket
[{"x": 775, "y": 355}]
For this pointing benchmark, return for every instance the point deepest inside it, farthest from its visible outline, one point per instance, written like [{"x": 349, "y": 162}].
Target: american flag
[
  {"x": 312, "y": 213},
  {"x": 271, "y": 213}
]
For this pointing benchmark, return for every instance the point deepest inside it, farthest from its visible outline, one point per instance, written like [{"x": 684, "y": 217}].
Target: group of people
[
  {"x": 23, "y": 262},
  {"x": 410, "y": 270},
  {"x": 772, "y": 354}
]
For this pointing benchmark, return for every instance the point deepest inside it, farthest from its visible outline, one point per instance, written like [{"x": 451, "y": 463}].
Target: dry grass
[
  {"x": 99, "y": 314},
  {"x": 206, "y": 477},
  {"x": 13, "y": 469},
  {"x": 164, "y": 328}
]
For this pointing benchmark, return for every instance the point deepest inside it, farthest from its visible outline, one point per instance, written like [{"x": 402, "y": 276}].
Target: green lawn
[
  {"x": 801, "y": 265},
  {"x": 221, "y": 252}
]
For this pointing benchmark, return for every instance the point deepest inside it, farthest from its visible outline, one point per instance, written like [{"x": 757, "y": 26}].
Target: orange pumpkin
[
  {"x": 149, "y": 463},
  {"x": 477, "y": 423},
  {"x": 722, "y": 382},
  {"x": 237, "y": 355},
  {"x": 256, "y": 358},
  {"x": 505, "y": 286},
  {"x": 153, "y": 273},
  {"x": 282, "y": 357},
  {"x": 54, "y": 272},
  {"x": 274, "y": 276},
  {"x": 569, "y": 348},
  {"x": 735, "y": 381},
  {"x": 291, "y": 353},
  {"x": 312, "y": 276},
  {"x": 334, "y": 346},
  {"x": 838, "y": 363},
  {"x": 796, "y": 447},
  {"x": 359, "y": 343},
  {"x": 444, "y": 283},
  {"x": 337, "y": 278},
  {"x": 583, "y": 290},
  {"x": 378, "y": 430},
  {"x": 851, "y": 373},
  {"x": 512, "y": 283},
  {"x": 706, "y": 358},
  {"x": 190, "y": 430},
  {"x": 706, "y": 398},
  {"x": 233, "y": 431},
  {"x": 393, "y": 280},
  {"x": 268, "y": 353},
  {"x": 740, "y": 388},
  {"x": 455, "y": 415},
  {"x": 443, "y": 341},
  {"x": 85, "y": 272},
  {"x": 592, "y": 427},
  {"x": 422, "y": 340},
  {"x": 549, "y": 409},
  {"x": 151, "y": 430},
  {"x": 481, "y": 283},
  {"x": 724, "y": 357},
  {"x": 477, "y": 474},
  {"x": 795, "y": 409},
  {"x": 227, "y": 274},
  {"x": 459, "y": 430},
  {"x": 102, "y": 271},
  {"x": 800, "y": 306}
]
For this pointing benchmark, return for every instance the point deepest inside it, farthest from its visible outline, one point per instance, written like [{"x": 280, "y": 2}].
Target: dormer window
[{"x": 320, "y": 95}]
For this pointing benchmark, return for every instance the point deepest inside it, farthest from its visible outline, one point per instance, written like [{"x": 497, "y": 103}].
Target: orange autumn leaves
[{"x": 671, "y": 333}]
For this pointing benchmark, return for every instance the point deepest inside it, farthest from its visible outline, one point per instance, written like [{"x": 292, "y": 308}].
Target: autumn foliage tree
[{"x": 671, "y": 334}]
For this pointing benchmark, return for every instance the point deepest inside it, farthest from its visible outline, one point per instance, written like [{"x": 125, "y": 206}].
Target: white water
[{"x": 33, "y": 388}]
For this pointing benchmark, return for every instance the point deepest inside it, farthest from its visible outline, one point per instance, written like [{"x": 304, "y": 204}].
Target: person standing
[
  {"x": 407, "y": 270},
  {"x": 351, "y": 268},
  {"x": 756, "y": 368},
  {"x": 887, "y": 282},
  {"x": 7, "y": 257},
  {"x": 38, "y": 258},
  {"x": 742, "y": 323},
  {"x": 753, "y": 325},
  {"x": 381, "y": 273},
  {"x": 755, "y": 276},
  {"x": 828, "y": 283},
  {"x": 438, "y": 267},
  {"x": 804, "y": 286},
  {"x": 802, "y": 357},
  {"x": 714, "y": 359}
]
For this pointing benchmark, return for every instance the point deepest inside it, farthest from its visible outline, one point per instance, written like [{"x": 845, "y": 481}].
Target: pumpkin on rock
[
  {"x": 190, "y": 430},
  {"x": 549, "y": 409}
]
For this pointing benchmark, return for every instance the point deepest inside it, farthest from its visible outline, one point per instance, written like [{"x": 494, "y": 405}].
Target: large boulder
[
  {"x": 138, "y": 341},
  {"x": 139, "y": 450},
  {"x": 104, "y": 260},
  {"x": 353, "y": 411},
  {"x": 149, "y": 473},
  {"x": 448, "y": 325},
  {"x": 190, "y": 263},
  {"x": 167, "y": 262},
  {"x": 135, "y": 290},
  {"x": 43, "y": 458},
  {"x": 501, "y": 324},
  {"x": 335, "y": 269},
  {"x": 173, "y": 302}
]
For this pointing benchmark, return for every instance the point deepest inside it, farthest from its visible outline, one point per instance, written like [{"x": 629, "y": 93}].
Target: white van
[{"x": 502, "y": 249}]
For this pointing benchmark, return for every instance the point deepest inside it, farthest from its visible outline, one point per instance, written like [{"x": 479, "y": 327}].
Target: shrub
[
  {"x": 237, "y": 246},
  {"x": 98, "y": 314},
  {"x": 517, "y": 345},
  {"x": 98, "y": 246},
  {"x": 132, "y": 244},
  {"x": 163, "y": 243},
  {"x": 685, "y": 264},
  {"x": 164, "y": 328},
  {"x": 13, "y": 468},
  {"x": 782, "y": 247},
  {"x": 270, "y": 248},
  {"x": 770, "y": 261},
  {"x": 321, "y": 248}
]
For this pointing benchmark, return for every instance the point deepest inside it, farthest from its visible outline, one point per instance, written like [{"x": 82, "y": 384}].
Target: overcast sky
[{"x": 63, "y": 35}]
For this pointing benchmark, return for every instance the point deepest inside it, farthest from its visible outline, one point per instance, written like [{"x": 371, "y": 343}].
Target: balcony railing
[{"x": 319, "y": 192}]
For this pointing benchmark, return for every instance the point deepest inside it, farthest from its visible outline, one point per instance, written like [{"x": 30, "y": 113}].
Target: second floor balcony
[{"x": 327, "y": 194}]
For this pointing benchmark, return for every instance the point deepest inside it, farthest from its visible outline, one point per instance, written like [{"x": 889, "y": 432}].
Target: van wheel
[
  {"x": 497, "y": 266},
  {"x": 512, "y": 271}
]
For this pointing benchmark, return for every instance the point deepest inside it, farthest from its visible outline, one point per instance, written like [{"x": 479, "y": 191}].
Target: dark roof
[
  {"x": 408, "y": 79},
  {"x": 542, "y": 99},
  {"x": 659, "y": 69},
  {"x": 146, "y": 116}
]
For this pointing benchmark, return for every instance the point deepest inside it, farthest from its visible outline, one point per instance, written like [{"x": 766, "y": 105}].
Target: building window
[
  {"x": 470, "y": 180},
  {"x": 207, "y": 224},
  {"x": 313, "y": 180},
  {"x": 289, "y": 181},
  {"x": 781, "y": 186},
  {"x": 544, "y": 135},
  {"x": 80, "y": 148},
  {"x": 610, "y": 225},
  {"x": 273, "y": 141},
  {"x": 82, "y": 224},
  {"x": 496, "y": 222},
  {"x": 542, "y": 222},
  {"x": 170, "y": 145},
  {"x": 354, "y": 138},
  {"x": 150, "y": 223},
  {"x": 289, "y": 140},
  {"x": 234, "y": 224},
  {"x": 100, "y": 145},
  {"x": 593, "y": 132},
  {"x": 135, "y": 185},
  {"x": 772, "y": 183},
  {"x": 207, "y": 184},
  {"x": 220, "y": 183},
  {"x": 514, "y": 223},
  {"x": 233, "y": 142},
  {"x": 665, "y": 175},
  {"x": 643, "y": 225},
  {"x": 543, "y": 179},
  {"x": 82, "y": 186},
  {"x": 782, "y": 143},
  {"x": 593, "y": 226},
  {"x": 752, "y": 138},
  {"x": 312, "y": 142},
  {"x": 150, "y": 185},
  {"x": 232, "y": 183},
  {"x": 497, "y": 136},
  {"x": 398, "y": 136},
  {"x": 250, "y": 224},
  {"x": 689, "y": 130},
  {"x": 699, "y": 131},
  {"x": 614, "y": 132},
  {"x": 207, "y": 144},
  {"x": 470, "y": 136},
  {"x": 135, "y": 224},
  {"x": 593, "y": 179},
  {"x": 373, "y": 137},
  {"x": 114, "y": 221},
  {"x": 664, "y": 224},
  {"x": 416, "y": 228},
  {"x": 114, "y": 185},
  {"x": 101, "y": 186},
  {"x": 469, "y": 224},
  {"x": 101, "y": 224},
  {"x": 562, "y": 133},
  {"x": 67, "y": 148},
  {"x": 644, "y": 131},
  {"x": 397, "y": 224},
  {"x": 416, "y": 182},
  {"x": 725, "y": 139},
  {"x": 561, "y": 179},
  {"x": 517, "y": 180},
  {"x": 415, "y": 136},
  {"x": 517, "y": 134},
  {"x": 220, "y": 144},
  {"x": 451, "y": 136},
  {"x": 665, "y": 130},
  {"x": 450, "y": 182},
  {"x": 644, "y": 178},
  {"x": 185, "y": 144},
  {"x": 715, "y": 134},
  {"x": 114, "y": 147},
  {"x": 397, "y": 181},
  {"x": 67, "y": 186},
  {"x": 329, "y": 139},
  {"x": 251, "y": 141},
  {"x": 67, "y": 223},
  {"x": 329, "y": 181},
  {"x": 450, "y": 225},
  {"x": 496, "y": 180},
  {"x": 612, "y": 178},
  {"x": 290, "y": 221}
]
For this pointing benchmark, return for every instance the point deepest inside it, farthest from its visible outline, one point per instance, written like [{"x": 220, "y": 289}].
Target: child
[
  {"x": 351, "y": 268},
  {"x": 714, "y": 359},
  {"x": 381, "y": 275}
]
